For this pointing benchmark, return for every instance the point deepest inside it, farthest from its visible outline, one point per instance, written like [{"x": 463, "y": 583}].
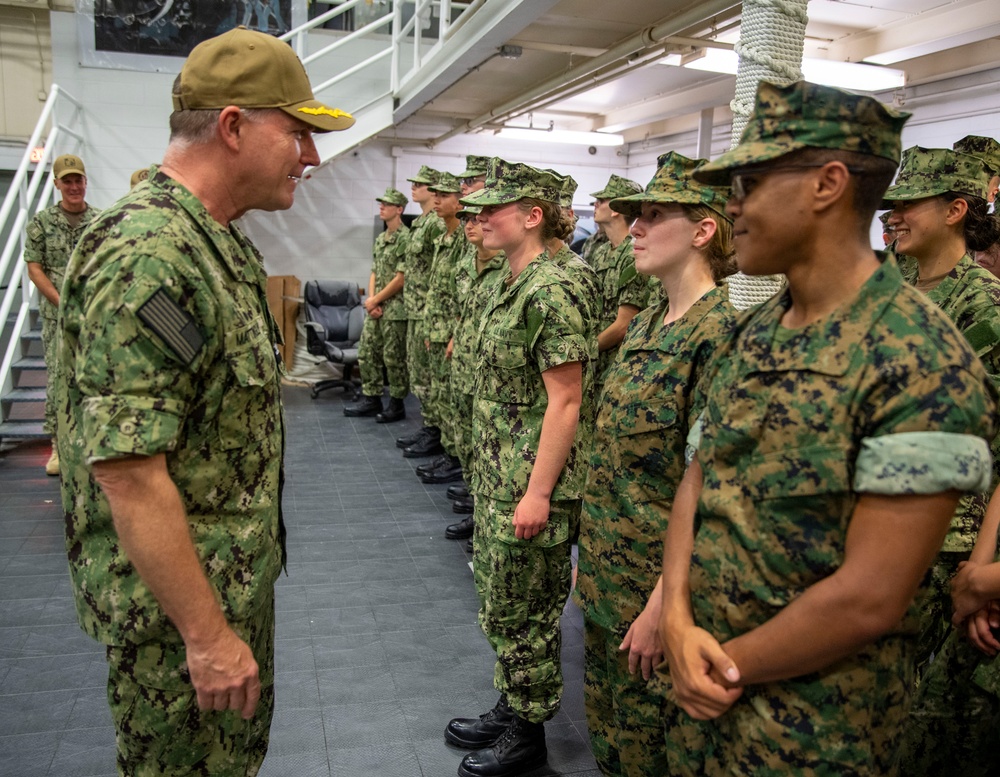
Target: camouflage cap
[
  {"x": 426, "y": 176},
  {"x": 138, "y": 176},
  {"x": 67, "y": 164},
  {"x": 475, "y": 166},
  {"x": 987, "y": 149},
  {"x": 673, "y": 182},
  {"x": 470, "y": 206},
  {"x": 513, "y": 181},
  {"x": 446, "y": 184},
  {"x": 568, "y": 192},
  {"x": 393, "y": 197},
  {"x": 805, "y": 115},
  {"x": 884, "y": 218},
  {"x": 926, "y": 172},
  {"x": 617, "y": 187},
  {"x": 250, "y": 69}
]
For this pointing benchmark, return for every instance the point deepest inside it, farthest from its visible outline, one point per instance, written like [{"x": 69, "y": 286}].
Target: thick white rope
[{"x": 772, "y": 33}]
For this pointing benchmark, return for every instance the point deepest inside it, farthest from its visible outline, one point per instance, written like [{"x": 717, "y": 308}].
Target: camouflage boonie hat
[
  {"x": 805, "y": 115},
  {"x": 475, "y": 166},
  {"x": 616, "y": 188},
  {"x": 393, "y": 197},
  {"x": 446, "y": 184},
  {"x": 251, "y": 69},
  {"x": 927, "y": 172},
  {"x": 987, "y": 149},
  {"x": 884, "y": 218},
  {"x": 138, "y": 176},
  {"x": 427, "y": 176},
  {"x": 67, "y": 164},
  {"x": 672, "y": 182},
  {"x": 513, "y": 181}
]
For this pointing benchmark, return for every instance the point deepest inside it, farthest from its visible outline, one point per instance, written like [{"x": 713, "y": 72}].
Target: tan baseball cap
[
  {"x": 67, "y": 164},
  {"x": 250, "y": 69}
]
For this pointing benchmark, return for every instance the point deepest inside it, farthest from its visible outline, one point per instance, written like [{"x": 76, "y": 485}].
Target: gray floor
[{"x": 377, "y": 642}]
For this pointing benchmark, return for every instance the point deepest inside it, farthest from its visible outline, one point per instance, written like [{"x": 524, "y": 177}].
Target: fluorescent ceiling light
[
  {"x": 845, "y": 75},
  {"x": 544, "y": 135}
]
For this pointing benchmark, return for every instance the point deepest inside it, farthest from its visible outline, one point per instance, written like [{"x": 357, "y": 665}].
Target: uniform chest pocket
[
  {"x": 505, "y": 375},
  {"x": 250, "y": 404},
  {"x": 650, "y": 449}
]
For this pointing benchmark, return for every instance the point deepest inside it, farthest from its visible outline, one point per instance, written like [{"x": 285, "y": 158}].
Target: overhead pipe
[{"x": 699, "y": 14}]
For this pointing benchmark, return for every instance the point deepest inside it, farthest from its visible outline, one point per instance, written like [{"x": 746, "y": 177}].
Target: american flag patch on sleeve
[{"x": 172, "y": 324}]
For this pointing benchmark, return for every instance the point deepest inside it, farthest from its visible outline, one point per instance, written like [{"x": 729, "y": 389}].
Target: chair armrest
[{"x": 315, "y": 337}]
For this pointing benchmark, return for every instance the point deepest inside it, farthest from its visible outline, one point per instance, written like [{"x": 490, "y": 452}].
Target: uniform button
[{"x": 127, "y": 427}]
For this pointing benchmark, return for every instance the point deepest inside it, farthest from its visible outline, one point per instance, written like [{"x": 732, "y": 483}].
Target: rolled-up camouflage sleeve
[
  {"x": 561, "y": 339},
  {"x": 142, "y": 339},
  {"x": 930, "y": 436}
]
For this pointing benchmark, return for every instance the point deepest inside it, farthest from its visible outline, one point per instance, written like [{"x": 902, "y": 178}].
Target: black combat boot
[
  {"x": 430, "y": 445},
  {"x": 411, "y": 439},
  {"x": 463, "y": 506},
  {"x": 448, "y": 472},
  {"x": 458, "y": 491},
  {"x": 366, "y": 406},
  {"x": 460, "y": 531},
  {"x": 472, "y": 733},
  {"x": 394, "y": 412},
  {"x": 518, "y": 750},
  {"x": 430, "y": 466}
]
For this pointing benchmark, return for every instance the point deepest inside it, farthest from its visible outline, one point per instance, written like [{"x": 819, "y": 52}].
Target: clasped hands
[{"x": 703, "y": 675}]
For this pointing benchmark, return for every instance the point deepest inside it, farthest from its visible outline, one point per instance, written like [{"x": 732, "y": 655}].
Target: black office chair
[{"x": 334, "y": 318}]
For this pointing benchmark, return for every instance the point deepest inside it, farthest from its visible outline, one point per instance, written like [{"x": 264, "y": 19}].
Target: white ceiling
[{"x": 929, "y": 39}]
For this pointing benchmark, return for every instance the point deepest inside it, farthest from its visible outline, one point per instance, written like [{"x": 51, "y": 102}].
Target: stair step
[
  {"x": 24, "y": 430},
  {"x": 32, "y": 334},
  {"x": 30, "y": 363},
  {"x": 25, "y": 395}
]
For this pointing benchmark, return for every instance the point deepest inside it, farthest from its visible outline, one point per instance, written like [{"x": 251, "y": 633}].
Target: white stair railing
[{"x": 21, "y": 203}]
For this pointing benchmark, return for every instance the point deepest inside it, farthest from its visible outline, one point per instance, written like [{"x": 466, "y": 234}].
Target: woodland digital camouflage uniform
[
  {"x": 474, "y": 289},
  {"x": 419, "y": 254},
  {"x": 171, "y": 350},
  {"x": 51, "y": 239},
  {"x": 383, "y": 339},
  {"x": 986, "y": 149},
  {"x": 951, "y": 705},
  {"x": 883, "y": 396},
  {"x": 636, "y": 465}
]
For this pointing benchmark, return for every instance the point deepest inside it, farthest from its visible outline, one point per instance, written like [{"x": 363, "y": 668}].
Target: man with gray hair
[{"x": 170, "y": 424}]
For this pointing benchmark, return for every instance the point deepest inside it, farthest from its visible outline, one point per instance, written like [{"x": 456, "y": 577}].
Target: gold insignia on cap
[{"x": 336, "y": 113}]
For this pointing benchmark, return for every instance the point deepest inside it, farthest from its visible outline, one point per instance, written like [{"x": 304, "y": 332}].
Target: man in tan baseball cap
[
  {"x": 51, "y": 236},
  {"x": 170, "y": 423}
]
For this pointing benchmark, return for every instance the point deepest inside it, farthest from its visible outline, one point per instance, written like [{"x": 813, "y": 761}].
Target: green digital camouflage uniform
[
  {"x": 419, "y": 254},
  {"x": 952, "y": 703},
  {"x": 474, "y": 290},
  {"x": 882, "y": 396},
  {"x": 529, "y": 326},
  {"x": 588, "y": 289},
  {"x": 440, "y": 319},
  {"x": 383, "y": 340},
  {"x": 620, "y": 285},
  {"x": 51, "y": 239},
  {"x": 170, "y": 349},
  {"x": 636, "y": 465}
]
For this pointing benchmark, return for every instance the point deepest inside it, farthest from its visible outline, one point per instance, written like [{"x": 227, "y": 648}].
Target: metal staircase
[{"x": 22, "y": 408}]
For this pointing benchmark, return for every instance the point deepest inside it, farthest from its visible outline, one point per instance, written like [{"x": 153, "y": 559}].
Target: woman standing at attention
[
  {"x": 683, "y": 238},
  {"x": 532, "y": 391}
]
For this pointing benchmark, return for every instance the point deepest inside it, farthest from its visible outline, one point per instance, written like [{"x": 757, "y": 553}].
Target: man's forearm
[
  {"x": 45, "y": 286},
  {"x": 152, "y": 526},
  {"x": 887, "y": 552},
  {"x": 390, "y": 290}
]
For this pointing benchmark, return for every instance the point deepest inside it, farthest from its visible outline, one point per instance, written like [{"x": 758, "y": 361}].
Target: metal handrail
[{"x": 30, "y": 201}]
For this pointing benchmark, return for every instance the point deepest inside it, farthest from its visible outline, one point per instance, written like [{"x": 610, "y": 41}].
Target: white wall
[{"x": 328, "y": 233}]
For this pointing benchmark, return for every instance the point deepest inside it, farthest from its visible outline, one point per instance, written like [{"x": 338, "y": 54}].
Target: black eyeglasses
[{"x": 742, "y": 184}]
